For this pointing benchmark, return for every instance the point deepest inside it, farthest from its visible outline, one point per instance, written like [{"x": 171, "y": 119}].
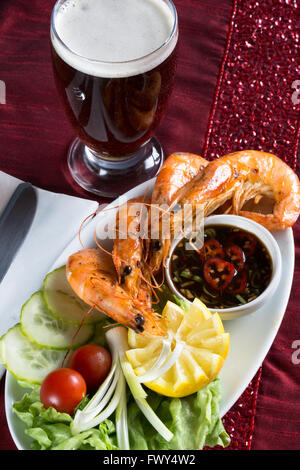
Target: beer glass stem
[{"x": 112, "y": 177}]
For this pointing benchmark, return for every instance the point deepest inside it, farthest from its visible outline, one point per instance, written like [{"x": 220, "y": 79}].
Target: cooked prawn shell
[
  {"x": 128, "y": 249},
  {"x": 244, "y": 176},
  {"x": 92, "y": 276},
  {"x": 177, "y": 172}
]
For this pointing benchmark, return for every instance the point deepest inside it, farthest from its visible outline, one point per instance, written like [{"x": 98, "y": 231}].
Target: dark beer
[{"x": 114, "y": 96}]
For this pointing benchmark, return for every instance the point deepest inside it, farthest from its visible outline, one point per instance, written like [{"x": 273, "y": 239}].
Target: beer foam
[{"x": 105, "y": 38}]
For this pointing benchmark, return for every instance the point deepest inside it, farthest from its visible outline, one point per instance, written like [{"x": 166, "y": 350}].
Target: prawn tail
[{"x": 269, "y": 221}]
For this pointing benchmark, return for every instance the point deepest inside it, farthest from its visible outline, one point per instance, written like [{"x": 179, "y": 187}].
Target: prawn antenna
[
  {"x": 82, "y": 224},
  {"x": 76, "y": 333}
]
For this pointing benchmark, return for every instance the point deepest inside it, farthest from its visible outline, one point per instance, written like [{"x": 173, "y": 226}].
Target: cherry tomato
[
  {"x": 93, "y": 362},
  {"x": 211, "y": 249},
  {"x": 236, "y": 256},
  {"x": 238, "y": 284},
  {"x": 218, "y": 273},
  {"x": 244, "y": 240},
  {"x": 63, "y": 389}
]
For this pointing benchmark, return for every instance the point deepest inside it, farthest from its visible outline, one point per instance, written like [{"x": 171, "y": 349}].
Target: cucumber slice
[
  {"x": 63, "y": 302},
  {"x": 42, "y": 328},
  {"x": 26, "y": 360}
]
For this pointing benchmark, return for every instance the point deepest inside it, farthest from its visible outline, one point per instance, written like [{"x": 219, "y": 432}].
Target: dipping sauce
[{"x": 232, "y": 268}]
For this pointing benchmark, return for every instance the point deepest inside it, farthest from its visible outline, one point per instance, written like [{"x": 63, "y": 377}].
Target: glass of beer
[{"x": 114, "y": 65}]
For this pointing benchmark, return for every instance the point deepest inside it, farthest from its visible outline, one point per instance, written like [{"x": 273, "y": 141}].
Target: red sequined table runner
[
  {"x": 256, "y": 106},
  {"x": 238, "y": 62}
]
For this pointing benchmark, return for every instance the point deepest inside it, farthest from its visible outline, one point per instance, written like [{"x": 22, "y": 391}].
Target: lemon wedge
[{"x": 198, "y": 339}]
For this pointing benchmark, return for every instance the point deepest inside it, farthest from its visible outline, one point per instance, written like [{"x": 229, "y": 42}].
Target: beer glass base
[{"x": 113, "y": 177}]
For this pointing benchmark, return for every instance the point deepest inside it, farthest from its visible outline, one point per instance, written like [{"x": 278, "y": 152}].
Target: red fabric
[
  {"x": 210, "y": 113},
  {"x": 253, "y": 108}
]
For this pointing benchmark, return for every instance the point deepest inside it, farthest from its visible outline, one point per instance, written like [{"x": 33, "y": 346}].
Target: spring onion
[
  {"x": 154, "y": 419},
  {"x": 255, "y": 279},
  {"x": 208, "y": 292},
  {"x": 210, "y": 232},
  {"x": 86, "y": 419},
  {"x": 197, "y": 278},
  {"x": 156, "y": 372},
  {"x": 186, "y": 274},
  {"x": 121, "y": 418},
  {"x": 165, "y": 351},
  {"x": 241, "y": 299},
  {"x": 111, "y": 395},
  {"x": 117, "y": 340}
]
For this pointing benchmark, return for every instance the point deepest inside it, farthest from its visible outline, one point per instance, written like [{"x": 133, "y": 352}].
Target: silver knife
[{"x": 15, "y": 223}]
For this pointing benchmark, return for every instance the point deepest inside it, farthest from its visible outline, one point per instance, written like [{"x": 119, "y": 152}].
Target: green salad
[
  {"x": 194, "y": 422},
  {"x": 120, "y": 414}
]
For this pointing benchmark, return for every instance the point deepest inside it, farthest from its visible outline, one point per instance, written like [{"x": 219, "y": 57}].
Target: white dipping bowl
[{"x": 268, "y": 241}]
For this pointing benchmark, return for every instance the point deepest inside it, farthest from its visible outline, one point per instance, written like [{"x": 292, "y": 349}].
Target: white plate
[{"x": 250, "y": 337}]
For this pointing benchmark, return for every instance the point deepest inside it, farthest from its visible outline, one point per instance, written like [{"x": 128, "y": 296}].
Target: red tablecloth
[{"x": 238, "y": 60}]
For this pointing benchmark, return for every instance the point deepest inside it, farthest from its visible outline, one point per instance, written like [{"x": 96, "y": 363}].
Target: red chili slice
[
  {"x": 211, "y": 249},
  {"x": 236, "y": 256},
  {"x": 244, "y": 240},
  {"x": 218, "y": 273},
  {"x": 238, "y": 284}
]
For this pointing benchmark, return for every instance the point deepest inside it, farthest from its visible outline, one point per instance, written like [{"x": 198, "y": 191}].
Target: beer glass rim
[{"x": 108, "y": 62}]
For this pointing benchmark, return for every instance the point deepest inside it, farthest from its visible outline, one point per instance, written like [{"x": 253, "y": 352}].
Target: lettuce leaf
[
  {"x": 50, "y": 430},
  {"x": 194, "y": 421}
]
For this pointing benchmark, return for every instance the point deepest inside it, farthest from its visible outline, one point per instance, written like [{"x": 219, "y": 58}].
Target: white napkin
[{"x": 57, "y": 220}]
